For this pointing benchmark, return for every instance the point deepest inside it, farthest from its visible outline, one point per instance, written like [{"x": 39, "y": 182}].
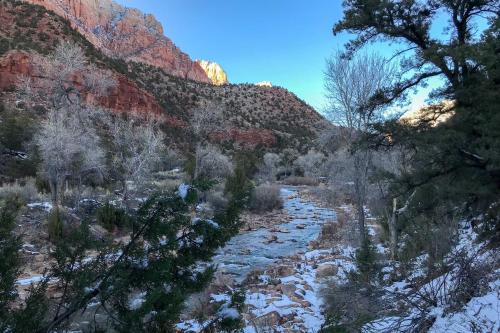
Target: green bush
[
  {"x": 111, "y": 217},
  {"x": 366, "y": 260},
  {"x": 55, "y": 225}
]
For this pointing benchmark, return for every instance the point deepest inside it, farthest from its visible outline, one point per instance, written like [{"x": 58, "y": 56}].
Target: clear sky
[{"x": 282, "y": 41}]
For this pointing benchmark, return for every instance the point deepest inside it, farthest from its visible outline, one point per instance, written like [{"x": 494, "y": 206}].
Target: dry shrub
[
  {"x": 217, "y": 200},
  {"x": 300, "y": 181},
  {"x": 265, "y": 198},
  {"x": 201, "y": 306},
  {"x": 349, "y": 306},
  {"x": 211, "y": 163},
  {"x": 332, "y": 196},
  {"x": 341, "y": 231},
  {"x": 24, "y": 189},
  {"x": 330, "y": 234}
]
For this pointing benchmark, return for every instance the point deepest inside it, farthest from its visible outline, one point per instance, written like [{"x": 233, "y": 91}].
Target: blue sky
[
  {"x": 285, "y": 42},
  {"x": 282, "y": 41}
]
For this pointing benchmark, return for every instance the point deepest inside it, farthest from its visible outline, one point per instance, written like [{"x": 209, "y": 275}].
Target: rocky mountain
[
  {"x": 214, "y": 72},
  {"x": 127, "y": 34},
  {"x": 254, "y": 115}
]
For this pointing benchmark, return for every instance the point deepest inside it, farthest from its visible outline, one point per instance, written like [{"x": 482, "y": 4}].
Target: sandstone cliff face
[
  {"x": 126, "y": 96},
  {"x": 214, "y": 72},
  {"x": 127, "y": 34}
]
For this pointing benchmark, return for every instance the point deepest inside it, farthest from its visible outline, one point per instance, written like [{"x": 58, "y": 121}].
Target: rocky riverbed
[{"x": 282, "y": 269}]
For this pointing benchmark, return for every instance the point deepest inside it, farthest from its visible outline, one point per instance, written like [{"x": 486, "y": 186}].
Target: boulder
[
  {"x": 269, "y": 319},
  {"x": 326, "y": 270}
]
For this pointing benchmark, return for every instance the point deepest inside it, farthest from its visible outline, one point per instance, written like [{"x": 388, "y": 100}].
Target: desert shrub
[
  {"x": 311, "y": 164},
  {"x": 55, "y": 225},
  {"x": 265, "y": 198},
  {"x": 172, "y": 159},
  {"x": 300, "y": 181},
  {"x": 349, "y": 306},
  {"x": 217, "y": 200},
  {"x": 212, "y": 164},
  {"x": 24, "y": 189},
  {"x": 333, "y": 196},
  {"x": 111, "y": 217},
  {"x": 4, "y": 46}
]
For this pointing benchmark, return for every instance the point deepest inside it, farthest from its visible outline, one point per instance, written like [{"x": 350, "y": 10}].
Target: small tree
[
  {"x": 270, "y": 166},
  {"x": 311, "y": 163},
  {"x": 67, "y": 141},
  {"x": 136, "y": 148},
  {"x": 207, "y": 120},
  {"x": 350, "y": 86},
  {"x": 141, "y": 285},
  {"x": 69, "y": 148},
  {"x": 11, "y": 259}
]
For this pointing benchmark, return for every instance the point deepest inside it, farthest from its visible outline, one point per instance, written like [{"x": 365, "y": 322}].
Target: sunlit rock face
[
  {"x": 214, "y": 72},
  {"x": 127, "y": 34},
  {"x": 264, "y": 84}
]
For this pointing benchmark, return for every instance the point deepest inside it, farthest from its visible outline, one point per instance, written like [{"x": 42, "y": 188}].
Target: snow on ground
[
  {"x": 479, "y": 314},
  {"x": 47, "y": 206},
  {"x": 29, "y": 281}
]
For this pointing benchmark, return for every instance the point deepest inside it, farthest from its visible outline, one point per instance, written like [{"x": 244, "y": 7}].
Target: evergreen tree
[
  {"x": 138, "y": 286},
  {"x": 452, "y": 149}
]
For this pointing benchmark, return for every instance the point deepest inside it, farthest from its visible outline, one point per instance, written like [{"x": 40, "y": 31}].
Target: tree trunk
[
  {"x": 56, "y": 188},
  {"x": 361, "y": 219},
  {"x": 393, "y": 237},
  {"x": 79, "y": 194},
  {"x": 360, "y": 192},
  {"x": 125, "y": 196},
  {"x": 53, "y": 192}
]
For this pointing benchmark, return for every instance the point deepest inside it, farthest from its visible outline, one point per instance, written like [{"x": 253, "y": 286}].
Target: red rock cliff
[
  {"x": 126, "y": 96},
  {"x": 126, "y": 33}
]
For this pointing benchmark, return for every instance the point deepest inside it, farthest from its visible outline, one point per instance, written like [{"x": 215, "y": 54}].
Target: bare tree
[
  {"x": 211, "y": 163},
  {"x": 207, "y": 120},
  {"x": 350, "y": 85},
  {"x": 288, "y": 157},
  {"x": 270, "y": 165},
  {"x": 311, "y": 163},
  {"x": 137, "y": 146},
  {"x": 69, "y": 149},
  {"x": 67, "y": 140},
  {"x": 392, "y": 163}
]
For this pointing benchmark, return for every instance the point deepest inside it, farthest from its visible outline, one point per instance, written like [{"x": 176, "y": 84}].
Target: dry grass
[
  {"x": 300, "y": 181},
  {"x": 24, "y": 189}
]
